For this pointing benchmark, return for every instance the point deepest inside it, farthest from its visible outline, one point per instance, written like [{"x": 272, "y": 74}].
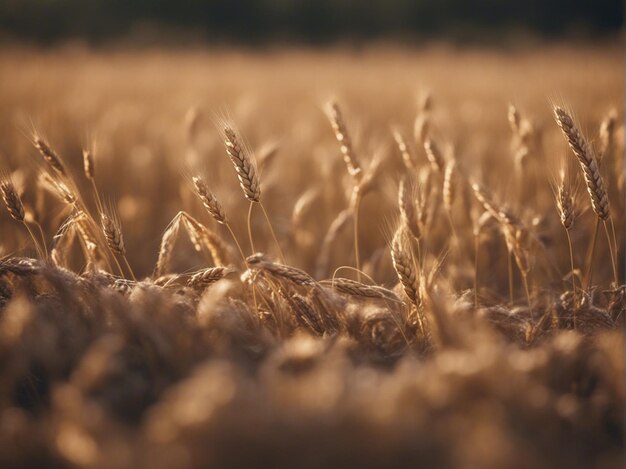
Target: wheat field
[{"x": 379, "y": 257}]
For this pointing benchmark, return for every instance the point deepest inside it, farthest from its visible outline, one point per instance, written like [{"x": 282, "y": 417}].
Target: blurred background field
[{"x": 136, "y": 106}]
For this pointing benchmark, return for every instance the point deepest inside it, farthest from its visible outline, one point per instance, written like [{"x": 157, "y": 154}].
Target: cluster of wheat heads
[{"x": 129, "y": 338}]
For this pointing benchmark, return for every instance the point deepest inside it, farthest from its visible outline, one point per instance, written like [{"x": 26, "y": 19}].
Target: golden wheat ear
[
  {"x": 343, "y": 137},
  {"x": 49, "y": 155},
  {"x": 15, "y": 207},
  {"x": 593, "y": 179},
  {"x": 210, "y": 202},
  {"x": 588, "y": 163},
  {"x": 243, "y": 163}
]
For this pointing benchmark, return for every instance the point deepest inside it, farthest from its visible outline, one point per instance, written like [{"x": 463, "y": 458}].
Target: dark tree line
[{"x": 306, "y": 20}]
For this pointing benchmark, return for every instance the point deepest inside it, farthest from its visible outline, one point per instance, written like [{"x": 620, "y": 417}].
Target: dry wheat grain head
[
  {"x": 434, "y": 155},
  {"x": 12, "y": 200},
  {"x": 565, "y": 202},
  {"x": 404, "y": 265},
  {"x": 343, "y": 137},
  {"x": 89, "y": 165},
  {"x": 588, "y": 163},
  {"x": 244, "y": 165},
  {"x": 48, "y": 154},
  {"x": 209, "y": 200},
  {"x": 113, "y": 233},
  {"x": 449, "y": 185}
]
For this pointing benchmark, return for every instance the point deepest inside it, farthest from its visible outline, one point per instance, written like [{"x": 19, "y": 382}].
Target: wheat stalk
[
  {"x": 407, "y": 158},
  {"x": 12, "y": 200},
  {"x": 607, "y": 131},
  {"x": 588, "y": 163},
  {"x": 565, "y": 203},
  {"x": 201, "y": 237},
  {"x": 48, "y": 154},
  {"x": 206, "y": 277},
  {"x": 113, "y": 234},
  {"x": 404, "y": 265},
  {"x": 406, "y": 204},
  {"x": 293, "y": 274},
  {"x": 15, "y": 207},
  {"x": 433, "y": 153},
  {"x": 449, "y": 185},
  {"x": 89, "y": 166},
  {"x": 358, "y": 289},
  {"x": 242, "y": 161},
  {"x": 209, "y": 201},
  {"x": 343, "y": 137},
  {"x": 515, "y": 121},
  {"x": 305, "y": 314},
  {"x": 167, "y": 246}
]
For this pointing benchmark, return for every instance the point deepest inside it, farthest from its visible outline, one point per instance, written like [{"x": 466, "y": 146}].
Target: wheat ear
[
  {"x": 115, "y": 240},
  {"x": 343, "y": 137},
  {"x": 15, "y": 207},
  {"x": 49, "y": 155},
  {"x": 434, "y": 155},
  {"x": 244, "y": 166},
  {"x": 588, "y": 163},
  {"x": 593, "y": 178}
]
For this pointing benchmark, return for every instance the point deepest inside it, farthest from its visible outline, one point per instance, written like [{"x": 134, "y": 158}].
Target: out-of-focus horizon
[{"x": 257, "y": 22}]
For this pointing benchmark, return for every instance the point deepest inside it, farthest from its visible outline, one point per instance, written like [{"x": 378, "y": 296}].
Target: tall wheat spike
[
  {"x": 588, "y": 163},
  {"x": 244, "y": 165},
  {"x": 343, "y": 137},
  {"x": 209, "y": 201}
]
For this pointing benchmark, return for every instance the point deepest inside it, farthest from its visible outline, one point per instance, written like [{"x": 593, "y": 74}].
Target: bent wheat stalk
[{"x": 214, "y": 207}]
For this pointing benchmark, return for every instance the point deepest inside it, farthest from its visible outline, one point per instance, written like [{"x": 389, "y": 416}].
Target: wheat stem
[
  {"x": 32, "y": 236},
  {"x": 357, "y": 258},
  {"x": 250, "y": 228},
  {"x": 43, "y": 239},
  {"x": 590, "y": 253},
  {"x": 130, "y": 269},
  {"x": 526, "y": 289},
  {"x": 510, "y": 271},
  {"x": 476, "y": 245},
  {"x": 571, "y": 259},
  {"x": 612, "y": 254},
  {"x": 269, "y": 223},
  {"x": 232, "y": 234}
]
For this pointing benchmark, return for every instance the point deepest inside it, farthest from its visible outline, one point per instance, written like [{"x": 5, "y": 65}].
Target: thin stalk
[
  {"x": 525, "y": 281},
  {"x": 612, "y": 254},
  {"x": 590, "y": 251},
  {"x": 351, "y": 268},
  {"x": 232, "y": 234},
  {"x": 117, "y": 263},
  {"x": 510, "y": 268},
  {"x": 250, "y": 228},
  {"x": 32, "y": 236},
  {"x": 615, "y": 246},
  {"x": 269, "y": 223},
  {"x": 476, "y": 244},
  {"x": 95, "y": 191},
  {"x": 43, "y": 239},
  {"x": 571, "y": 259},
  {"x": 453, "y": 230},
  {"x": 254, "y": 298},
  {"x": 130, "y": 270},
  {"x": 421, "y": 325},
  {"x": 357, "y": 258}
]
